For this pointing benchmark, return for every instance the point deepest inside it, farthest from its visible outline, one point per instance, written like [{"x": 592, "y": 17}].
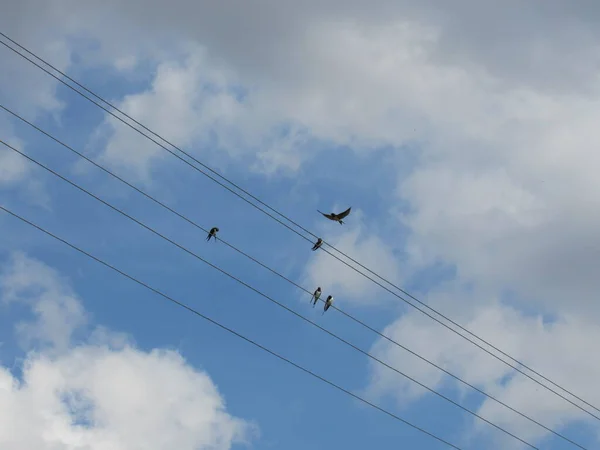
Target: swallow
[
  {"x": 337, "y": 217},
  {"x": 212, "y": 233},
  {"x": 328, "y": 303},
  {"x": 316, "y": 296},
  {"x": 317, "y": 244}
]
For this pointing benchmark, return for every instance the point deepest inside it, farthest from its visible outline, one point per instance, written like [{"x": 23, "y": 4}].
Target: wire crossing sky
[
  {"x": 269, "y": 298},
  {"x": 285, "y": 278},
  {"x": 470, "y": 174},
  {"x": 304, "y": 237},
  {"x": 183, "y": 305}
]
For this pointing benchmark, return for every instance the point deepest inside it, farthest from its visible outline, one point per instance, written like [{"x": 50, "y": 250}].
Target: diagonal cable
[
  {"x": 257, "y": 291},
  {"x": 235, "y": 333},
  {"x": 304, "y": 237},
  {"x": 286, "y": 278}
]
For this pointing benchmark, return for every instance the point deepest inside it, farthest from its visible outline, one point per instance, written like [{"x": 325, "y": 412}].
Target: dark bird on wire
[
  {"x": 328, "y": 303},
  {"x": 212, "y": 233},
  {"x": 317, "y": 244},
  {"x": 316, "y": 296},
  {"x": 337, "y": 217}
]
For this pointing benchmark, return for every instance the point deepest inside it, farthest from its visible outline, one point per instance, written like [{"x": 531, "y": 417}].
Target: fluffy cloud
[
  {"x": 516, "y": 209},
  {"x": 557, "y": 349},
  {"x": 191, "y": 103},
  {"x": 32, "y": 92},
  {"x": 15, "y": 170},
  {"x": 104, "y": 392},
  {"x": 57, "y": 310},
  {"x": 13, "y": 167}
]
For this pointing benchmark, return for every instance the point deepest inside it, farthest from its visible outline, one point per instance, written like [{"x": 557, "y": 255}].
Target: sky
[{"x": 463, "y": 136}]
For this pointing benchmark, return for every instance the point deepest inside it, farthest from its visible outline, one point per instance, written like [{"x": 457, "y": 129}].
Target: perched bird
[
  {"x": 328, "y": 303},
  {"x": 337, "y": 217},
  {"x": 317, "y": 244},
  {"x": 212, "y": 233},
  {"x": 316, "y": 296}
]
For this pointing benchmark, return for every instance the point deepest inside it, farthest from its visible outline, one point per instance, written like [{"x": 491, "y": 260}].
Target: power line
[
  {"x": 286, "y": 278},
  {"x": 235, "y": 333},
  {"x": 257, "y": 291},
  {"x": 304, "y": 237}
]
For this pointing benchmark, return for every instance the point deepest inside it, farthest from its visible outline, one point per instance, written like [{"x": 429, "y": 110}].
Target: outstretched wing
[
  {"x": 326, "y": 215},
  {"x": 344, "y": 214}
]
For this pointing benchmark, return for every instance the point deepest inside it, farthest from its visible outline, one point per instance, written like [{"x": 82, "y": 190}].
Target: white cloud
[
  {"x": 560, "y": 350},
  {"x": 23, "y": 87},
  {"x": 185, "y": 103},
  {"x": 519, "y": 210},
  {"x": 57, "y": 309},
  {"x": 195, "y": 103},
  {"x": 102, "y": 393},
  {"x": 15, "y": 170},
  {"x": 13, "y": 167}
]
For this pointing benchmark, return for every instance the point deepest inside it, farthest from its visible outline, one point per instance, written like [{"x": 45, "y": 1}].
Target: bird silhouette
[
  {"x": 337, "y": 217},
  {"x": 317, "y": 244},
  {"x": 212, "y": 233},
  {"x": 316, "y": 295}
]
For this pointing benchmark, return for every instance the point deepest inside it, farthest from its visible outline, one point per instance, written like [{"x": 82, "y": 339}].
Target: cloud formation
[
  {"x": 557, "y": 349},
  {"x": 103, "y": 392}
]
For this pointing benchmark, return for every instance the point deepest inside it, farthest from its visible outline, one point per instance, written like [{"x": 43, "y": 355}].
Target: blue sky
[{"x": 367, "y": 114}]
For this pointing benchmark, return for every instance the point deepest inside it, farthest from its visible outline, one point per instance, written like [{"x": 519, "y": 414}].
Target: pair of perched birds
[{"x": 317, "y": 295}]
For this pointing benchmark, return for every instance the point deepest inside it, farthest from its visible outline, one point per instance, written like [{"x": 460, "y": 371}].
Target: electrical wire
[
  {"x": 257, "y": 291},
  {"x": 235, "y": 333},
  {"x": 304, "y": 237},
  {"x": 195, "y": 224}
]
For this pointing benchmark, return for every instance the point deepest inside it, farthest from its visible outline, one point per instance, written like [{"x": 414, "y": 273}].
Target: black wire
[
  {"x": 302, "y": 236},
  {"x": 214, "y": 322},
  {"x": 285, "y": 278},
  {"x": 195, "y": 255}
]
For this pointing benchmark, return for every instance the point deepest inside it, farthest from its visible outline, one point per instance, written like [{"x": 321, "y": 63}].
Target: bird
[
  {"x": 212, "y": 233},
  {"x": 328, "y": 303},
  {"x": 317, "y": 244},
  {"x": 316, "y": 295},
  {"x": 337, "y": 217}
]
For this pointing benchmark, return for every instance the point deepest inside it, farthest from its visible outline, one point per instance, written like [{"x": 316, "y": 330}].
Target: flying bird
[
  {"x": 316, "y": 295},
  {"x": 212, "y": 233},
  {"x": 337, "y": 217},
  {"x": 317, "y": 244},
  {"x": 328, "y": 303}
]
